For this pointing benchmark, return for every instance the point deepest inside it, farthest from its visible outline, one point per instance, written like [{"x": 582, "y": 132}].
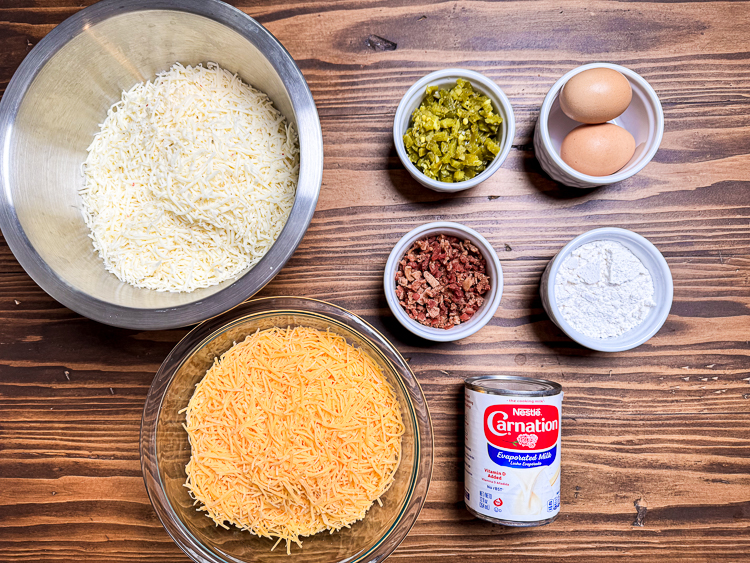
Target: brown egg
[
  {"x": 597, "y": 150},
  {"x": 596, "y": 95}
]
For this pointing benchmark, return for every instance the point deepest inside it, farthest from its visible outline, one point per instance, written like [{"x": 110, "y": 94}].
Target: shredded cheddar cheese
[{"x": 292, "y": 432}]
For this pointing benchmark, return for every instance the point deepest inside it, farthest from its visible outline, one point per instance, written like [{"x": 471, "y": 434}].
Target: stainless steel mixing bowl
[{"x": 52, "y": 109}]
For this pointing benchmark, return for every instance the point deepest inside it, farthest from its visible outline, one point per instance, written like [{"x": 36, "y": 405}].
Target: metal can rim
[
  {"x": 513, "y": 523},
  {"x": 546, "y": 388}
]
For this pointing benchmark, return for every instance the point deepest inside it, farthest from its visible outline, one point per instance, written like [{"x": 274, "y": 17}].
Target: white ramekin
[
  {"x": 491, "y": 299},
  {"x": 644, "y": 119},
  {"x": 654, "y": 262},
  {"x": 447, "y": 79}
]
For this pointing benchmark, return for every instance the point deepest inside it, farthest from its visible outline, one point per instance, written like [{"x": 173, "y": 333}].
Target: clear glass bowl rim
[{"x": 202, "y": 335}]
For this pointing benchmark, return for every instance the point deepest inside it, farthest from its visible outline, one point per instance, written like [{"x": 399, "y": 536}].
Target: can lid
[{"x": 513, "y": 385}]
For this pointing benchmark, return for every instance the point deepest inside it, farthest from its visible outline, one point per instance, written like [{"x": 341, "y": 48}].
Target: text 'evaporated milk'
[{"x": 512, "y": 449}]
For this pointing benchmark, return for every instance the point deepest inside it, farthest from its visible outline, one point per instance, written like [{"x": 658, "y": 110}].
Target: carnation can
[{"x": 512, "y": 449}]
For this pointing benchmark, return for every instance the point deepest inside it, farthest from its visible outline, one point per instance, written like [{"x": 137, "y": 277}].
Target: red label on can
[{"x": 522, "y": 427}]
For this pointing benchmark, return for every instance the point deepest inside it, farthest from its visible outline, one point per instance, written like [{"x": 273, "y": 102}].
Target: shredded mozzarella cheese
[
  {"x": 190, "y": 180},
  {"x": 292, "y": 432}
]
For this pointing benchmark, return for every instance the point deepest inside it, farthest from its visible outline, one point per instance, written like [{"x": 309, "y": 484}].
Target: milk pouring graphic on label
[{"x": 512, "y": 463}]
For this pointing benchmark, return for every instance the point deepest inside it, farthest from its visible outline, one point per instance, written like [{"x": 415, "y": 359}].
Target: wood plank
[{"x": 666, "y": 423}]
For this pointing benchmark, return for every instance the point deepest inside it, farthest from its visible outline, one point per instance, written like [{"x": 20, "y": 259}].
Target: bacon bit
[
  {"x": 431, "y": 279},
  {"x": 441, "y": 281},
  {"x": 408, "y": 273}
]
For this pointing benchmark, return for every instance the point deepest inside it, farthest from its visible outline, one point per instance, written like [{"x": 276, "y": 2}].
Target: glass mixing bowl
[{"x": 165, "y": 449}]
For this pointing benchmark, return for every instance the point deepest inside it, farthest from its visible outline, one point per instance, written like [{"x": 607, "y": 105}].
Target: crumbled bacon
[{"x": 441, "y": 281}]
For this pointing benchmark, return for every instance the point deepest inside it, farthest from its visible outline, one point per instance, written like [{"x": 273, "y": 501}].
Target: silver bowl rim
[{"x": 308, "y": 188}]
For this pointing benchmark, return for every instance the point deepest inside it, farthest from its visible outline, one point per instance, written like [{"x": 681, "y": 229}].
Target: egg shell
[
  {"x": 596, "y": 95},
  {"x": 597, "y": 150}
]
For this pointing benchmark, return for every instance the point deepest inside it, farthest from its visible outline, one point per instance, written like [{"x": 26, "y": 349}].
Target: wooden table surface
[{"x": 667, "y": 423}]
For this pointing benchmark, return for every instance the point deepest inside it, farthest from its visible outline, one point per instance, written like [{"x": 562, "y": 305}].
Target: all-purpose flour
[{"x": 603, "y": 290}]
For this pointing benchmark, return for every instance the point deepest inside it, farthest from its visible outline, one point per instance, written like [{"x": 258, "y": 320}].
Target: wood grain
[{"x": 666, "y": 424}]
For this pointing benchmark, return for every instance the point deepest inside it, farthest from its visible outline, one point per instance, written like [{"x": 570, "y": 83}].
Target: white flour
[{"x": 603, "y": 290}]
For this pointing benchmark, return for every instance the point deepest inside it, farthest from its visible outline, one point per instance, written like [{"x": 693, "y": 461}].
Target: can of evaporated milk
[{"x": 512, "y": 449}]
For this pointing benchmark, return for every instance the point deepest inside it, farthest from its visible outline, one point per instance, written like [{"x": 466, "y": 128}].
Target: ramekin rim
[
  {"x": 434, "y": 334},
  {"x": 416, "y": 89},
  {"x": 612, "y": 178}
]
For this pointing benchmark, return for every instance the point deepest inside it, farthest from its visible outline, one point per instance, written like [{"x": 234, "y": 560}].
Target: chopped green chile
[{"x": 453, "y": 133}]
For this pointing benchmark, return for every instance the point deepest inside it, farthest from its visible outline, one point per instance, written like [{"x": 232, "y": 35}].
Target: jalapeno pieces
[{"x": 453, "y": 133}]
